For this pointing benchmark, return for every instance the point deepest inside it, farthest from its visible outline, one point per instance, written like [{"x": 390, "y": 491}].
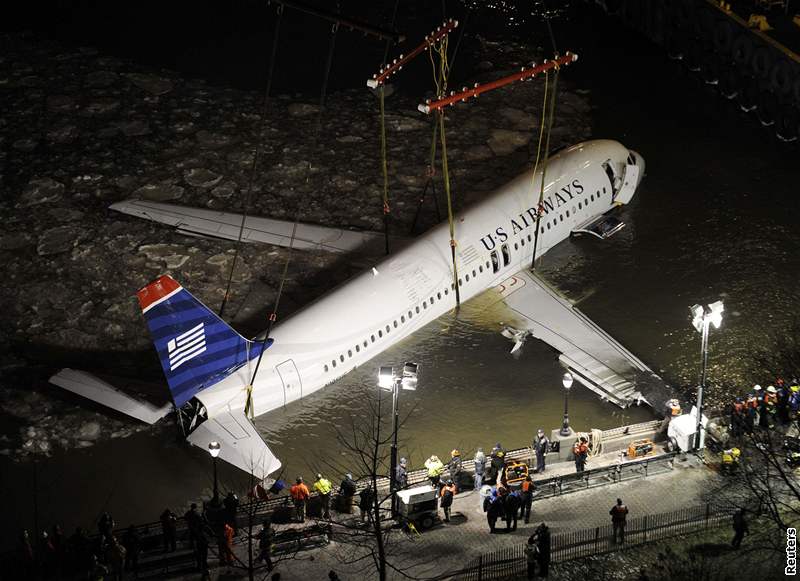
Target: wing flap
[
  {"x": 240, "y": 443},
  {"x": 97, "y": 390},
  {"x": 226, "y": 225},
  {"x": 596, "y": 359}
]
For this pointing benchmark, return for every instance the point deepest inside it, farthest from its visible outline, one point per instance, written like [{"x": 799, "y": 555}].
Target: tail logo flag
[
  {"x": 185, "y": 347},
  {"x": 196, "y": 348}
]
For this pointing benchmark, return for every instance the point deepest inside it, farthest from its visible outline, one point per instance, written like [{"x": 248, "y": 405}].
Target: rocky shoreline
[{"x": 83, "y": 130}]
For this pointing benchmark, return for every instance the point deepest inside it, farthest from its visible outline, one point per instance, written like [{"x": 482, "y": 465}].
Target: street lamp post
[
  {"x": 389, "y": 381},
  {"x": 213, "y": 449},
  {"x": 702, "y": 318},
  {"x": 566, "y": 381}
]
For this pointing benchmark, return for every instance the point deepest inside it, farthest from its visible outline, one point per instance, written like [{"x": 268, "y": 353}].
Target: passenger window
[
  {"x": 542, "y": 232},
  {"x": 333, "y": 362},
  {"x": 567, "y": 213},
  {"x": 326, "y": 368},
  {"x": 529, "y": 237},
  {"x": 365, "y": 343},
  {"x": 439, "y": 296},
  {"x": 373, "y": 338},
  {"x": 467, "y": 278},
  {"x": 431, "y": 300},
  {"x": 349, "y": 352},
  {"x": 409, "y": 314},
  {"x": 460, "y": 282},
  {"x": 516, "y": 246},
  {"x": 561, "y": 217},
  {"x": 402, "y": 318},
  {"x": 424, "y": 304},
  {"x": 548, "y": 225},
  {"x": 473, "y": 273},
  {"x": 417, "y": 309},
  {"x": 579, "y": 205},
  {"x": 495, "y": 261},
  {"x": 480, "y": 268},
  {"x": 446, "y": 292},
  {"x": 341, "y": 358},
  {"x": 388, "y": 328},
  {"x": 380, "y": 333},
  {"x": 395, "y": 324},
  {"x": 487, "y": 265},
  {"x": 522, "y": 241},
  {"x": 506, "y": 254},
  {"x": 358, "y": 349}
]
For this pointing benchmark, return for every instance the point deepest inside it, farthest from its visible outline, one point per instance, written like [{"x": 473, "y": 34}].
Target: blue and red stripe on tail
[{"x": 197, "y": 349}]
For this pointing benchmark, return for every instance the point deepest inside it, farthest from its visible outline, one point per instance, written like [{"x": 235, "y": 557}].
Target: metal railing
[{"x": 510, "y": 562}]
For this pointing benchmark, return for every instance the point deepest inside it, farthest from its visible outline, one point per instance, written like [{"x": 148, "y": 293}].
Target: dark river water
[{"x": 715, "y": 218}]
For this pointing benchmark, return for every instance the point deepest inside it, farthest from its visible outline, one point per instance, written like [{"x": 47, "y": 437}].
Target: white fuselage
[{"x": 407, "y": 290}]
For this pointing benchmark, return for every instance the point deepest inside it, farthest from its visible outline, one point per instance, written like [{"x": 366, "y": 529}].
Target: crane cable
[
  {"x": 384, "y": 162},
  {"x": 248, "y": 408},
  {"x": 546, "y": 119},
  {"x": 254, "y": 165},
  {"x": 440, "y": 81}
]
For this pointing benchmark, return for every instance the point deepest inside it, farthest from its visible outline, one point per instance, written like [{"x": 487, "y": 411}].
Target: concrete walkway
[{"x": 449, "y": 546}]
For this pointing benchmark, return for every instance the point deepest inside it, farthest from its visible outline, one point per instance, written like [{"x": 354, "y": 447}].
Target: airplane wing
[
  {"x": 593, "y": 357},
  {"x": 226, "y": 225},
  {"x": 95, "y": 389},
  {"x": 240, "y": 443}
]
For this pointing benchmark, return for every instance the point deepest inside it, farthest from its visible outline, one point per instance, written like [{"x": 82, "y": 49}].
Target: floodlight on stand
[
  {"x": 213, "y": 449},
  {"x": 409, "y": 379},
  {"x": 386, "y": 377},
  {"x": 697, "y": 317},
  {"x": 715, "y": 315}
]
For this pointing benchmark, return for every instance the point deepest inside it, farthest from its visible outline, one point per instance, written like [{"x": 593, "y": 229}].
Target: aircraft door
[
  {"x": 630, "y": 178},
  {"x": 292, "y": 386}
]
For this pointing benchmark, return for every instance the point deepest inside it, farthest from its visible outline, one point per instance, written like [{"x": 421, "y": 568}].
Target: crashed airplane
[{"x": 208, "y": 365}]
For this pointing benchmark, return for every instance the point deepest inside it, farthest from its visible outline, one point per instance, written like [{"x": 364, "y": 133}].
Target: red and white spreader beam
[
  {"x": 477, "y": 89},
  {"x": 397, "y": 64}
]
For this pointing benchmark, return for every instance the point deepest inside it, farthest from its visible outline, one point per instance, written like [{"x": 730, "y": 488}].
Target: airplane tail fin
[{"x": 197, "y": 349}]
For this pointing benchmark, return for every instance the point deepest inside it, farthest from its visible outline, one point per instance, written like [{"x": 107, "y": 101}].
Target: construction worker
[
  {"x": 299, "y": 493},
  {"x": 347, "y": 491},
  {"x": 770, "y": 406},
  {"x": 737, "y": 418},
  {"x": 493, "y": 507},
  {"x": 323, "y": 487},
  {"x": 673, "y": 408},
  {"x": 366, "y": 500},
  {"x": 783, "y": 401},
  {"x": 266, "y": 537},
  {"x": 740, "y": 528},
  {"x": 454, "y": 467},
  {"x": 751, "y": 405},
  {"x": 619, "y": 514},
  {"x": 730, "y": 459},
  {"x": 794, "y": 400},
  {"x": 401, "y": 475},
  {"x": 512, "y": 502},
  {"x": 581, "y": 452},
  {"x": 527, "y": 498},
  {"x": 541, "y": 445},
  {"x": 446, "y": 495},
  {"x": 480, "y": 468},
  {"x": 435, "y": 469}
]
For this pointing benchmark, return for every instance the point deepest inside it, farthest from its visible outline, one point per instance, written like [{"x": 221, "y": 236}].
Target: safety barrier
[
  {"x": 745, "y": 65},
  {"x": 509, "y": 563}
]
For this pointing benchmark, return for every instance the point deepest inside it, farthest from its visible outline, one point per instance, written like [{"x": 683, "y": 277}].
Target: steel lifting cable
[
  {"x": 256, "y": 155},
  {"x": 248, "y": 408},
  {"x": 440, "y": 80},
  {"x": 384, "y": 163},
  {"x": 539, "y": 205}
]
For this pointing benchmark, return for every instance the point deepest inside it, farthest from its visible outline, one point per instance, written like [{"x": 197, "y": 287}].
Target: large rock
[
  {"x": 505, "y": 141},
  {"x": 150, "y": 83},
  {"x": 57, "y": 240},
  {"x": 39, "y": 191},
  {"x": 161, "y": 192},
  {"x": 202, "y": 178}
]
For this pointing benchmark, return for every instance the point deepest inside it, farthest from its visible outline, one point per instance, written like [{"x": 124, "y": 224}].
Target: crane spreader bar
[
  {"x": 397, "y": 64},
  {"x": 476, "y": 90}
]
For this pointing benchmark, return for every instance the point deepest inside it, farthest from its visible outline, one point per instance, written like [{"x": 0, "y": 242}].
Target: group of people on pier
[{"x": 776, "y": 405}]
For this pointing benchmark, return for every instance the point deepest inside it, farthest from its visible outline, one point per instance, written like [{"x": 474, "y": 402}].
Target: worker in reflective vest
[
  {"x": 581, "y": 452},
  {"x": 323, "y": 487}
]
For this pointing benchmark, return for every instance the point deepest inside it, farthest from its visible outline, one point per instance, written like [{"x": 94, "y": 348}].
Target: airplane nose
[{"x": 640, "y": 164}]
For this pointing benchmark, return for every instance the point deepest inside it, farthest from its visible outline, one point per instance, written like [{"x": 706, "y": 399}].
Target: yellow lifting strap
[
  {"x": 384, "y": 168},
  {"x": 440, "y": 79}
]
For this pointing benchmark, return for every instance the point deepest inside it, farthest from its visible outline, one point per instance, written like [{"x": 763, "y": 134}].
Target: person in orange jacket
[
  {"x": 225, "y": 545},
  {"x": 299, "y": 493},
  {"x": 446, "y": 494},
  {"x": 581, "y": 452}
]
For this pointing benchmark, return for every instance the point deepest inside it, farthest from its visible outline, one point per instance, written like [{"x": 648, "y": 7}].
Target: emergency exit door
[{"x": 292, "y": 386}]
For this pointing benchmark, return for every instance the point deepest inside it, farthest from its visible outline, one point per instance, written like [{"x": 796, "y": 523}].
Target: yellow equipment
[
  {"x": 639, "y": 448},
  {"x": 759, "y": 21},
  {"x": 730, "y": 459},
  {"x": 516, "y": 473}
]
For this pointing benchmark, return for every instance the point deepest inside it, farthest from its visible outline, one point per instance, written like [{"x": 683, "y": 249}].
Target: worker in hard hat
[
  {"x": 730, "y": 459},
  {"x": 435, "y": 468},
  {"x": 794, "y": 400},
  {"x": 446, "y": 495},
  {"x": 454, "y": 467},
  {"x": 323, "y": 487},
  {"x": 770, "y": 406}
]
